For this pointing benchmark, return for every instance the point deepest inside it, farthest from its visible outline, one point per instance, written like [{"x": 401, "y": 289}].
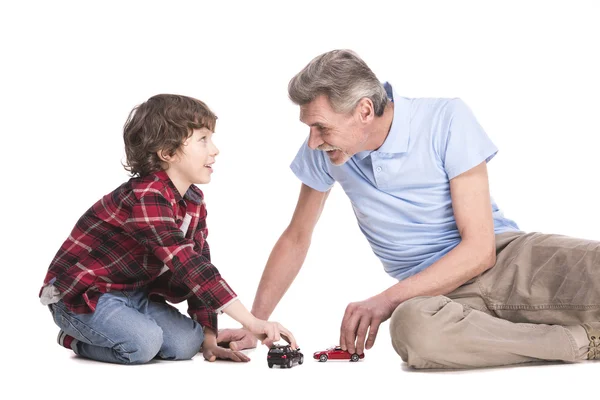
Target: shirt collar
[
  {"x": 398, "y": 137},
  {"x": 193, "y": 194}
]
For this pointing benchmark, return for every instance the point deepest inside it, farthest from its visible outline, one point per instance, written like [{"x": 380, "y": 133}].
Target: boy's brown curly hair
[{"x": 163, "y": 122}]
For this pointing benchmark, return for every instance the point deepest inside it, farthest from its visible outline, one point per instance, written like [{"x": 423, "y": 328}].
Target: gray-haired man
[{"x": 473, "y": 290}]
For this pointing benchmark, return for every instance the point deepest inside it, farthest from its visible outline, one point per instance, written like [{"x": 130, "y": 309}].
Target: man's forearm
[
  {"x": 464, "y": 262},
  {"x": 283, "y": 265}
]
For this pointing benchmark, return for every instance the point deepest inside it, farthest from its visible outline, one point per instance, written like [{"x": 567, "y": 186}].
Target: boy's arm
[
  {"x": 152, "y": 223},
  {"x": 283, "y": 265}
]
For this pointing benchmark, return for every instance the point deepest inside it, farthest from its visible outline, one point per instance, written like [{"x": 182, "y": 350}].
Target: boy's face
[{"x": 193, "y": 161}]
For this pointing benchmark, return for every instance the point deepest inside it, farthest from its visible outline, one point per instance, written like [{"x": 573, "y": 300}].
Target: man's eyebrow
[{"x": 316, "y": 124}]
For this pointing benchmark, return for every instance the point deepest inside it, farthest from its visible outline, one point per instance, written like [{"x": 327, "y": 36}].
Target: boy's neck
[{"x": 181, "y": 184}]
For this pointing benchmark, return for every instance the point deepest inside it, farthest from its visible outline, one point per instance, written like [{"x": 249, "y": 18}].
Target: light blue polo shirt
[{"x": 400, "y": 192}]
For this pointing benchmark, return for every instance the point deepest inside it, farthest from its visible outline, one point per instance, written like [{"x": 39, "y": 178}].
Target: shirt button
[{"x": 378, "y": 169}]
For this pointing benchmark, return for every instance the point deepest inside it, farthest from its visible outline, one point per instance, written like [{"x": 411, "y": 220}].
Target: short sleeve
[
  {"x": 311, "y": 167},
  {"x": 465, "y": 144}
]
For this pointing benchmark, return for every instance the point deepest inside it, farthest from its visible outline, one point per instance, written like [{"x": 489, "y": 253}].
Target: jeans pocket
[{"x": 68, "y": 324}]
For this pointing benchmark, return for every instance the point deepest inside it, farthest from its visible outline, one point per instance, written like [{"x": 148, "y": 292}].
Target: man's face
[{"x": 340, "y": 135}]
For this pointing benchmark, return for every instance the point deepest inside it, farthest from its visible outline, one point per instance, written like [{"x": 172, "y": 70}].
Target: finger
[
  {"x": 345, "y": 321},
  {"x": 226, "y": 335},
  {"x": 372, "y": 333},
  {"x": 288, "y": 337},
  {"x": 242, "y": 356},
  {"x": 361, "y": 334},
  {"x": 225, "y": 354},
  {"x": 233, "y": 355},
  {"x": 268, "y": 343},
  {"x": 350, "y": 333},
  {"x": 271, "y": 333},
  {"x": 246, "y": 342},
  {"x": 209, "y": 356}
]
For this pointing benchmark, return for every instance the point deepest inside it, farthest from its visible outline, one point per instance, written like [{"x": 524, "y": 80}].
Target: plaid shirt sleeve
[
  {"x": 196, "y": 309},
  {"x": 152, "y": 223}
]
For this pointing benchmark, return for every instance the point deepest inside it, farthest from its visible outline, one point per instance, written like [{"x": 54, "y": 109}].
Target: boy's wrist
[{"x": 210, "y": 337}]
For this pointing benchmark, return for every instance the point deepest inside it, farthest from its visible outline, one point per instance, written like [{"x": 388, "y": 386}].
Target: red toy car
[{"x": 336, "y": 353}]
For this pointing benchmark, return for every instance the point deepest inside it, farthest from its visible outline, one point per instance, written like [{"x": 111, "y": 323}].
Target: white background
[{"x": 72, "y": 71}]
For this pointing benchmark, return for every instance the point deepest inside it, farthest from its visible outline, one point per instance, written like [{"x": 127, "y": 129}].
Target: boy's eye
[{"x": 203, "y": 139}]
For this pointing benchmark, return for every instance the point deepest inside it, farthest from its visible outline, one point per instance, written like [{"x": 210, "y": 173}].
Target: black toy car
[{"x": 284, "y": 356}]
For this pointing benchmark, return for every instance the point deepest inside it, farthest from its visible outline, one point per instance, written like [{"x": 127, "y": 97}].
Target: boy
[{"x": 145, "y": 243}]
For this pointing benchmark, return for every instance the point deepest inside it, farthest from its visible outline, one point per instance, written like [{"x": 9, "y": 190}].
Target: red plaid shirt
[{"x": 123, "y": 242}]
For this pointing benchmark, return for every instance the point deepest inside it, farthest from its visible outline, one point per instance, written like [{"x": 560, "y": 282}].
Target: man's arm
[
  {"x": 473, "y": 255},
  {"x": 283, "y": 264},
  {"x": 289, "y": 252}
]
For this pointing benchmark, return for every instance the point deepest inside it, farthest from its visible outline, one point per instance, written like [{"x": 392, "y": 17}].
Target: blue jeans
[{"x": 127, "y": 328}]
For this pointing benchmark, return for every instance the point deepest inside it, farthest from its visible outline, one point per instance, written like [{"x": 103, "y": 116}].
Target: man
[{"x": 473, "y": 290}]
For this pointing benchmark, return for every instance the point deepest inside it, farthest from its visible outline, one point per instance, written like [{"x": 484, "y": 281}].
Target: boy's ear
[{"x": 164, "y": 156}]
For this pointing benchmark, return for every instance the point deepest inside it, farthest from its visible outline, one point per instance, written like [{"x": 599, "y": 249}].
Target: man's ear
[{"x": 366, "y": 111}]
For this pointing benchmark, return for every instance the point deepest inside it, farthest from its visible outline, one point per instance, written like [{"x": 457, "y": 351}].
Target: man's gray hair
[{"x": 343, "y": 77}]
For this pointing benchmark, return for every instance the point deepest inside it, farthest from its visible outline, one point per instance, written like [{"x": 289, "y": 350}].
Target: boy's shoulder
[
  {"x": 159, "y": 183},
  {"x": 151, "y": 185}
]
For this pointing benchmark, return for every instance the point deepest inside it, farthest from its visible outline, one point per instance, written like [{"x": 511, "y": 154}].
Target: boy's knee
[
  {"x": 144, "y": 347},
  {"x": 185, "y": 346}
]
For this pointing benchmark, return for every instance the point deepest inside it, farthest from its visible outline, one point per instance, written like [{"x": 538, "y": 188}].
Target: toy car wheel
[
  {"x": 270, "y": 365},
  {"x": 289, "y": 364},
  {"x": 323, "y": 358},
  {"x": 354, "y": 357},
  {"x": 301, "y": 360}
]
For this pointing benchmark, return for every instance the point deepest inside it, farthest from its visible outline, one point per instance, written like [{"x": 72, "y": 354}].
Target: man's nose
[{"x": 314, "y": 140}]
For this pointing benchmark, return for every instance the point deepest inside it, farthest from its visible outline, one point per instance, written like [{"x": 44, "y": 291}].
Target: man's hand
[
  {"x": 237, "y": 339},
  {"x": 212, "y": 351},
  {"x": 360, "y": 317}
]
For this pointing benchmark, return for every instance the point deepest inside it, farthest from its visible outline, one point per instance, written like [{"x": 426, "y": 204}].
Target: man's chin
[{"x": 337, "y": 157}]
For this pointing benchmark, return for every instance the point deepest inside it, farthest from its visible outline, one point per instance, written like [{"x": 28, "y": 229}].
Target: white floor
[{"x": 54, "y": 372}]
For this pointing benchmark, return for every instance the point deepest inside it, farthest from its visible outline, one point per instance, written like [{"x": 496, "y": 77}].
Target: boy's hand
[
  {"x": 211, "y": 351},
  {"x": 268, "y": 332},
  {"x": 236, "y": 339}
]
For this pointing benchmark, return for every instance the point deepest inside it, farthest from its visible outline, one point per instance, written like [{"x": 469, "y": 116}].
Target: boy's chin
[{"x": 203, "y": 180}]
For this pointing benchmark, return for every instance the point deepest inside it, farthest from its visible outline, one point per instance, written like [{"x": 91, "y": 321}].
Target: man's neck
[{"x": 382, "y": 126}]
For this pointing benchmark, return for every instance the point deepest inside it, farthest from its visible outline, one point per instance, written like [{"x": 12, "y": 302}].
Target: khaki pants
[{"x": 528, "y": 307}]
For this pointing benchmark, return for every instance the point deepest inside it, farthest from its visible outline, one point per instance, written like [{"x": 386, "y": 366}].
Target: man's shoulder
[
  {"x": 440, "y": 109},
  {"x": 431, "y": 104}
]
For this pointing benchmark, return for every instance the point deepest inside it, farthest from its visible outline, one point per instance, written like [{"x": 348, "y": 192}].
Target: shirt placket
[{"x": 379, "y": 170}]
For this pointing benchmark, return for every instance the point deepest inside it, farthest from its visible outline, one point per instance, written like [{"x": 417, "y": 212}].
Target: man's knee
[{"x": 415, "y": 331}]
